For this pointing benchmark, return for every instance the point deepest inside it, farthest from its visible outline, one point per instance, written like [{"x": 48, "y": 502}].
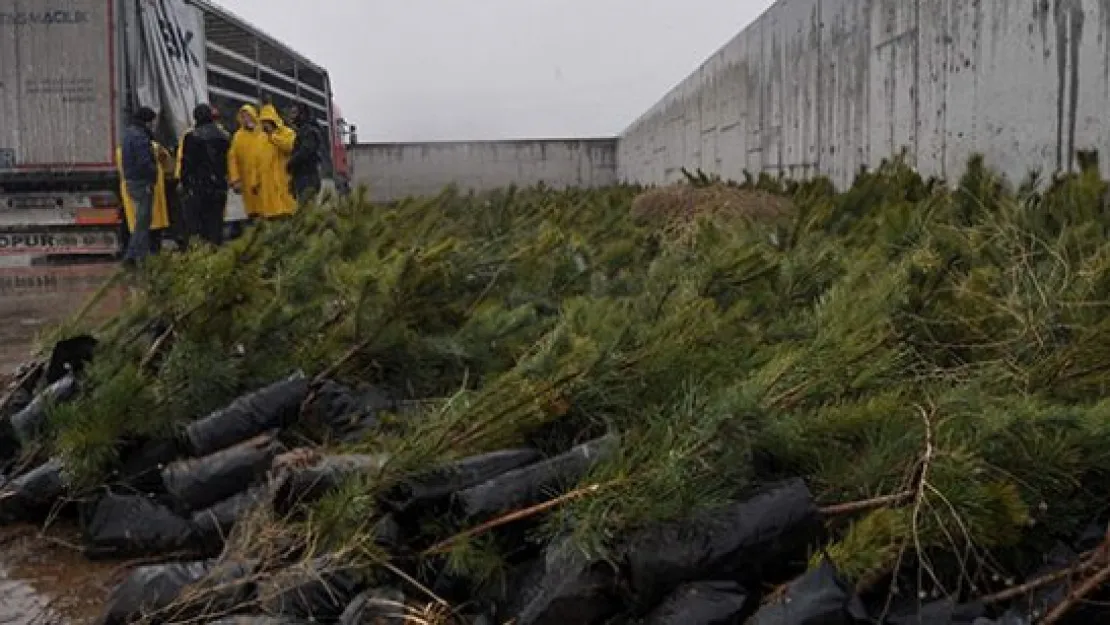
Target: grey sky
[{"x": 409, "y": 70}]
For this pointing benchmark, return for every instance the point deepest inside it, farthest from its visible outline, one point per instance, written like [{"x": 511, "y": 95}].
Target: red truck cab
[{"x": 340, "y": 133}]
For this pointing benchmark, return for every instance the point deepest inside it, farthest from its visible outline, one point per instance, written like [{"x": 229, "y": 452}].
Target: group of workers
[{"x": 273, "y": 166}]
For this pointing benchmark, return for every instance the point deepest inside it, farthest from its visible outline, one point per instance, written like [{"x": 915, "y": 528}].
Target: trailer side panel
[{"x": 57, "y": 85}]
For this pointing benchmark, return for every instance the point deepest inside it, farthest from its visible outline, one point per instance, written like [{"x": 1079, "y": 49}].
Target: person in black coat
[
  {"x": 140, "y": 173},
  {"x": 304, "y": 162},
  {"x": 204, "y": 177}
]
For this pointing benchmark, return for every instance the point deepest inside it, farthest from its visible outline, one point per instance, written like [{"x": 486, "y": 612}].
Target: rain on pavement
[{"x": 44, "y": 580}]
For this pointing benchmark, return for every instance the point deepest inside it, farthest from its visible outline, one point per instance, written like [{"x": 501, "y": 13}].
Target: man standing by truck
[
  {"x": 304, "y": 162},
  {"x": 140, "y": 173},
  {"x": 204, "y": 176}
]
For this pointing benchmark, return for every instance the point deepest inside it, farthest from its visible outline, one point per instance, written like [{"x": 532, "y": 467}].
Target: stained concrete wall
[
  {"x": 393, "y": 171},
  {"x": 830, "y": 85}
]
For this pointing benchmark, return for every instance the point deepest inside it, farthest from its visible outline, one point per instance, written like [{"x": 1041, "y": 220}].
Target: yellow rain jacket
[
  {"x": 277, "y": 200},
  {"x": 180, "y": 151},
  {"x": 160, "y": 216},
  {"x": 244, "y": 162}
]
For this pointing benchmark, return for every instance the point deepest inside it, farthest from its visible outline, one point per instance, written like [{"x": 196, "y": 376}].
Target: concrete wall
[
  {"x": 829, "y": 85},
  {"x": 394, "y": 171}
]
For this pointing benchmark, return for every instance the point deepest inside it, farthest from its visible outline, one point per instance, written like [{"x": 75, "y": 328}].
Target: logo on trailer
[
  {"x": 178, "y": 41},
  {"x": 49, "y": 17},
  {"x": 56, "y": 243}
]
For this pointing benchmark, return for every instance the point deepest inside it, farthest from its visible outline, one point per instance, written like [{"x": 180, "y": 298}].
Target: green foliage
[
  {"x": 88, "y": 431},
  {"x": 897, "y": 338}
]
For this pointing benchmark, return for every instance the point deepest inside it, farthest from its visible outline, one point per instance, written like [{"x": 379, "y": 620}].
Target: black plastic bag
[
  {"x": 387, "y": 532},
  {"x": 29, "y": 422},
  {"x": 820, "y": 597},
  {"x": 150, "y": 590},
  {"x": 70, "y": 356},
  {"x": 301, "y": 485},
  {"x": 31, "y": 496},
  {"x": 270, "y": 408},
  {"x": 534, "y": 483},
  {"x": 333, "y": 406},
  {"x": 366, "y": 417},
  {"x": 142, "y": 467},
  {"x": 447, "y": 480},
  {"x": 380, "y": 606},
  {"x": 9, "y": 442},
  {"x": 701, "y": 603},
  {"x": 258, "y": 620},
  {"x": 319, "y": 590},
  {"x": 565, "y": 587},
  {"x": 130, "y": 525},
  {"x": 212, "y": 525},
  {"x": 735, "y": 542},
  {"x": 198, "y": 483},
  {"x": 943, "y": 612}
]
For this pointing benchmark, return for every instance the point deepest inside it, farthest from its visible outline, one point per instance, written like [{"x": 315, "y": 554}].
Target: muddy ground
[{"x": 44, "y": 579}]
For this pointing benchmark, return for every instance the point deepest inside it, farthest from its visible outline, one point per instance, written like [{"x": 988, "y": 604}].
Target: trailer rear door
[{"x": 57, "y": 85}]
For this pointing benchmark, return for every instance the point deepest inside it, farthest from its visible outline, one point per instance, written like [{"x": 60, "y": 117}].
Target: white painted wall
[
  {"x": 830, "y": 85},
  {"x": 393, "y": 171}
]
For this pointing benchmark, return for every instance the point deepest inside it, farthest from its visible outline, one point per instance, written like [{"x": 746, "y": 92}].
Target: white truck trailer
[{"x": 71, "y": 72}]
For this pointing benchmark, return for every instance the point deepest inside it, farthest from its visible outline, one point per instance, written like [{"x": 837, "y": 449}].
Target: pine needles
[{"x": 897, "y": 338}]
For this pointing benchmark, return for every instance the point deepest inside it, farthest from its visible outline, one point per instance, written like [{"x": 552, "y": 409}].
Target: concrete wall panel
[
  {"x": 799, "y": 27},
  {"x": 393, "y": 171},
  {"x": 830, "y": 85}
]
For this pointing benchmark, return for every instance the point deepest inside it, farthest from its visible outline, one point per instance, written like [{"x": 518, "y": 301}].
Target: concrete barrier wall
[
  {"x": 393, "y": 171},
  {"x": 830, "y": 85}
]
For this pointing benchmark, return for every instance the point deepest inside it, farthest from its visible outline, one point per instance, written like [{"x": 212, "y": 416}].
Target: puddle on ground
[
  {"x": 34, "y": 299},
  {"x": 44, "y": 579}
]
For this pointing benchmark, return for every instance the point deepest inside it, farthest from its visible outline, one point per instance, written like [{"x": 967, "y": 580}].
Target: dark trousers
[
  {"x": 177, "y": 231},
  {"x": 204, "y": 214},
  {"x": 305, "y": 188},
  {"x": 142, "y": 198}
]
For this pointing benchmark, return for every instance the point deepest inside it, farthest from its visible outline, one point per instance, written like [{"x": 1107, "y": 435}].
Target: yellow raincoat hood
[
  {"x": 270, "y": 114},
  {"x": 276, "y": 199},
  {"x": 246, "y": 159}
]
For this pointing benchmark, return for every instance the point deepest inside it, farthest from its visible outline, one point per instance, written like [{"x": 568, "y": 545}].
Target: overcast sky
[{"x": 411, "y": 70}]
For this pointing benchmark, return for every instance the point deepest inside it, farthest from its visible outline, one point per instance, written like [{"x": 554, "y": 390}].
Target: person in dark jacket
[
  {"x": 304, "y": 162},
  {"x": 204, "y": 176},
  {"x": 140, "y": 172}
]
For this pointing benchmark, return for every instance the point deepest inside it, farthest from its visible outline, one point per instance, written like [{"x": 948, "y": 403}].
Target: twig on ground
[
  {"x": 344, "y": 359},
  {"x": 919, "y": 497},
  {"x": 445, "y": 545},
  {"x": 866, "y": 505},
  {"x": 1085, "y": 563},
  {"x": 1076, "y": 595},
  {"x": 918, "y": 494},
  {"x": 156, "y": 348},
  {"x": 60, "y": 542},
  {"x": 1101, "y": 558},
  {"x": 421, "y": 587}
]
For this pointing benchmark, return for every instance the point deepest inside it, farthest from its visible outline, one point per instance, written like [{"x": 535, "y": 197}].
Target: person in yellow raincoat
[
  {"x": 160, "y": 216},
  {"x": 277, "y": 197},
  {"x": 244, "y": 160}
]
